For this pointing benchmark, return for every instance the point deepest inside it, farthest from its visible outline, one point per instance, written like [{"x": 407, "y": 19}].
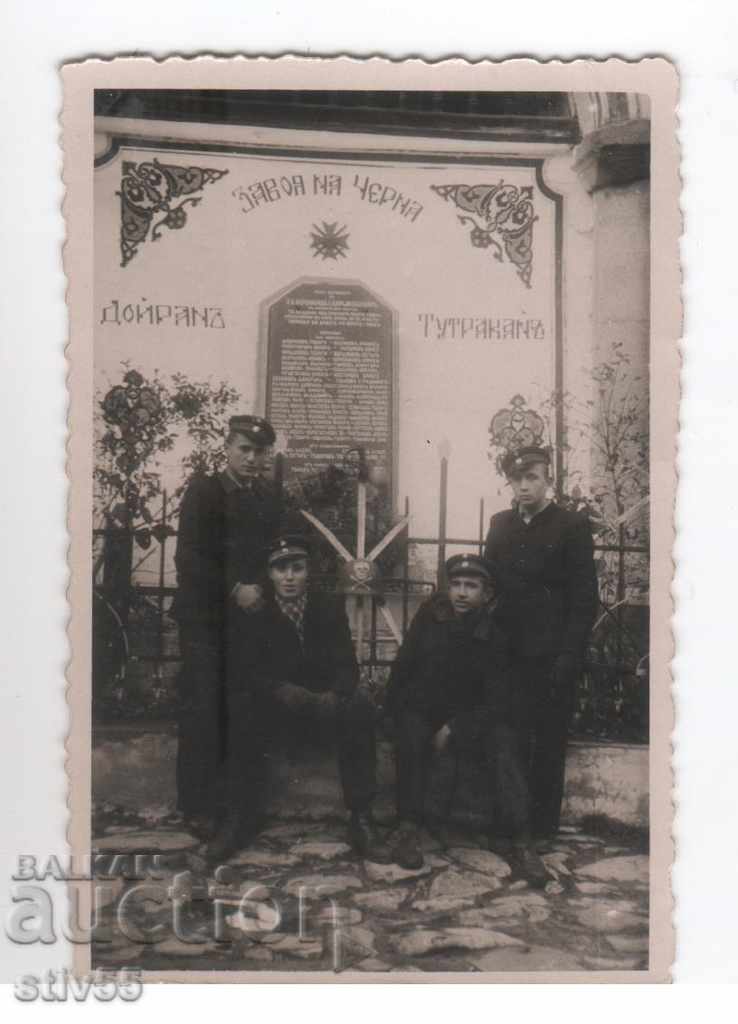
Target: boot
[
  {"x": 406, "y": 850},
  {"x": 366, "y": 841},
  {"x": 201, "y": 826},
  {"x": 527, "y": 865},
  {"x": 231, "y": 837},
  {"x": 502, "y": 846},
  {"x": 440, "y": 834}
]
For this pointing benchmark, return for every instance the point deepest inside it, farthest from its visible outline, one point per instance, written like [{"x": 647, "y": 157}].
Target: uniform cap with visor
[
  {"x": 468, "y": 565},
  {"x": 518, "y": 460},
  {"x": 259, "y": 431},
  {"x": 286, "y": 547}
]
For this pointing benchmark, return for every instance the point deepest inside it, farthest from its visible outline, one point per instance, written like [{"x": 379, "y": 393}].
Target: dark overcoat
[
  {"x": 545, "y": 578},
  {"x": 271, "y": 653},
  {"x": 460, "y": 666},
  {"x": 223, "y": 531}
]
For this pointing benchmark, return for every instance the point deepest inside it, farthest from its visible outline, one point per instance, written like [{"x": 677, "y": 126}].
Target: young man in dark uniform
[
  {"x": 225, "y": 521},
  {"x": 451, "y": 683},
  {"x": 297, "y": 667},
  {"x": 541, "y": 557}
]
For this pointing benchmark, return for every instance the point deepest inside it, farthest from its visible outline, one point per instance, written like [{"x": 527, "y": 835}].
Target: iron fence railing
[{"x": 136, "y": 654}]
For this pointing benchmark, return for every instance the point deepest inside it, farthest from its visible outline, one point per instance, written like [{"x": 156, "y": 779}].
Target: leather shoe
[
  {"x": 232, "y": 836},
  {"x": 366, "y": 841},
  {"x": 440, "y": 834},
  {"x": 201, "y": 826},
  {"x": 406, "y": 849},
  {"x": 528, "y": 866}
]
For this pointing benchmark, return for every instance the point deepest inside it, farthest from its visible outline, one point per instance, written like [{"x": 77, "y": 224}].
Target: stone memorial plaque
[{"x": 331, "y": 376}]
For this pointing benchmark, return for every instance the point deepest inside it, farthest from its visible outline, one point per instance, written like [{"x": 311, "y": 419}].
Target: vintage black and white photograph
[{"x": 369, "y": 675}]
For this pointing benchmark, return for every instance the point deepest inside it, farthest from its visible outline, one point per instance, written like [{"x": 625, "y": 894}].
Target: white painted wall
[{"x": 448, "y": 388}]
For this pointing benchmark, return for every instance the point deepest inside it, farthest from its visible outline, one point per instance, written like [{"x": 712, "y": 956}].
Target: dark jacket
[
  {"x": 223, "y": 530},
  {"x": 455, "y": 668},
  {"x": 270, "y": 651},
  {"x": 546, "y": 580}
]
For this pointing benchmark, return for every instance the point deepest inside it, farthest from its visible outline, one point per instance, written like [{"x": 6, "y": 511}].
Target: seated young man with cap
[
  {"x": 297, "y": 665},
  {"x": 451, "y": 684}
]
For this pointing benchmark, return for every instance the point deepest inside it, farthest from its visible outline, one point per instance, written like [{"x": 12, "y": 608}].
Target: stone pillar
[
  {"x": 612, "y": 161},
  {"x": 613, "y": 164},
  {"x": 102, "y": 143},
  {"x": 577, "y": 311}
]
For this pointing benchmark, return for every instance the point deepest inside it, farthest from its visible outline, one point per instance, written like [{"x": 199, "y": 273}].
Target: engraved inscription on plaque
[{"x": 330, "y": 375}]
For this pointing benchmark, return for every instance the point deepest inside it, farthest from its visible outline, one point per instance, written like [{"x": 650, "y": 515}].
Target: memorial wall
[{"x": 357, "y": 291}]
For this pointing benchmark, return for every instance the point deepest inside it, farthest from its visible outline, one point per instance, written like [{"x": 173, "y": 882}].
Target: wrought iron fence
[{"x": 136, "y": 654}]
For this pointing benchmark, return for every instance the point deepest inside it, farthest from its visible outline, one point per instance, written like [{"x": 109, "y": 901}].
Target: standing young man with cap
[
  {"x": 541, "y": 556},
  {"x": 449, "y": 684},
  {"x": 225, "y": 521},
  {"x": 297, "y": 667}
]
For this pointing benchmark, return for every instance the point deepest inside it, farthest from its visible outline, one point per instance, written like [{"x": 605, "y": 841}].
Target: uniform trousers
[
  {"x": 522, "y": 744},
  {"x": 530, "y": 741},
  {"x": 201, "y": 733},
  {"x": 259, "y": 727},
  {"x": 415, "y": 729}
]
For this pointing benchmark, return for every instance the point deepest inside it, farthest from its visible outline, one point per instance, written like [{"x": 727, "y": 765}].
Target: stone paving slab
[
  {"x": 343, "y": 917},
  {"x": 483, "y": 861},
  {"x": 628, "y": 943},
  {"x": 381, "y": 900},
  {"x": 553, "y": 888},
  {"x": 286, "y": 830},
  {"x": 359, "y": 939},
  {"x": 294, "y": 946},
  {"x": 536, "y": 958},
  {"x": 322, "y": 884},
  {"x": 455, "y": 882},
  {"x": 532, "y": 905},
  {"x": 373, "y": 965},
  {"x": 423, "y": 941},
  {"x": 319, "y": 850},
  {"x": 443, "y": 904},
  {"x": 606, "y": 963},
  {"x": 477, "y": 918},
  {"x": 264, "y": 858},
  {"x": 556, "y": 862},
  {"x": 256, "y": 953},
  {"x": 463, "y": 911},
  {"x": 617, "y": 869},
  {"x": 389, "y": 873},
  {"x": 175, "y": 947},
  {"x": 594, "y": 888},
  {"x": 145, "y": 841},
  {"x": 610, "y": 918}
]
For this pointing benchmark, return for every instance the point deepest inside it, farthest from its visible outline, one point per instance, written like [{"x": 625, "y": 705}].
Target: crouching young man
[
  {"x": 452, "y": 685},
  {"x": 294, "y": 663}
]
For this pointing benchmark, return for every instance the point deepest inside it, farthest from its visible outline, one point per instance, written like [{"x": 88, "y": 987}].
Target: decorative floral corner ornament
[
  {"x": 515, "y": 427},
  {"x": 150, "y": 189},
  {"x": 501, "y": 218}
]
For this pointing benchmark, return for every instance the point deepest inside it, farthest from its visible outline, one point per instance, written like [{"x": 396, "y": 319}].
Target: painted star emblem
[{"x": 329, "y": 241}]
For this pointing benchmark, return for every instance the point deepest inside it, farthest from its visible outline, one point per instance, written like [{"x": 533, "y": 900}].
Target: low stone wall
[
  {"x": 134, "y": 767},
  {"x": 608, "y": 780}
]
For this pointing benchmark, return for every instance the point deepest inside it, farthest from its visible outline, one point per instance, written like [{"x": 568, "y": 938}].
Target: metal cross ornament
[{"x": 360, "y": 571}]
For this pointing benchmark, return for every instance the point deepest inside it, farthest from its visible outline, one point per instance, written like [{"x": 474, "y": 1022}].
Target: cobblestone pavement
[{"x": 461, "y": 912}]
